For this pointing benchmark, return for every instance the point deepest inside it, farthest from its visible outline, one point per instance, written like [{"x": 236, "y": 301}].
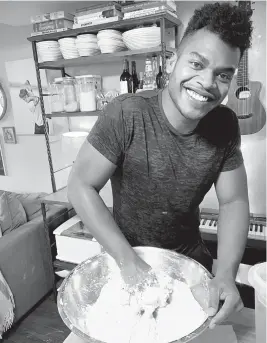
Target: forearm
[
  {"x": 97, "y": 218},
  {"x": 233, "y": 225}
]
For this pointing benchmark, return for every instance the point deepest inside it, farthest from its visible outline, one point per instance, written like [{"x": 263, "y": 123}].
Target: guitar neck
[{"x": 242, "y": 74}]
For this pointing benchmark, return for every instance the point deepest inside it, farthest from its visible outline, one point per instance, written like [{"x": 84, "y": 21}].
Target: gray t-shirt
[{"x": 162, "y": 176}]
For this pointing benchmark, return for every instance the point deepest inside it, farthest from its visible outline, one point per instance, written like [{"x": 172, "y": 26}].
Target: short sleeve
[
  {"x": 233, "y": 156},
  {"x": 107, "y": 135}
]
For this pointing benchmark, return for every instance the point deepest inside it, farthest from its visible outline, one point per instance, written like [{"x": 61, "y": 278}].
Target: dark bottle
[
  {"x": 125, "y": 79},
  {"x": 159, "y": 79},
  {"x": 134, "y": 77}
]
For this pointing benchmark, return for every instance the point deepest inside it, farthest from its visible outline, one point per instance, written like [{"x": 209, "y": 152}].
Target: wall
[{"x": 26, "y": 162}]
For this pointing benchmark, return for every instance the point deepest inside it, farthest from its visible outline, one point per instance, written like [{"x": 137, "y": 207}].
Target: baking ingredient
[
  {"x": 88, "y": 101},
  {"x": 120, "y": 312},
  {"x": 57, "y": 106},
  {"x": 72, "y": 106}
]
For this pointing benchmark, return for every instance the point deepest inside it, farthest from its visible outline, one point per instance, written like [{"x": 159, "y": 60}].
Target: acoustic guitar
[{"x": 243, "y": 95}]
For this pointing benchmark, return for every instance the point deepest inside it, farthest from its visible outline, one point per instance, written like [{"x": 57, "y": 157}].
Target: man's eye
[
  {"x": 225, "y": 77},
  {"x": 196, "y": 65}
]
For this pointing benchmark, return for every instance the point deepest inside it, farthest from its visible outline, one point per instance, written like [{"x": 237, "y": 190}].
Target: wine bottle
[
  {"x": 159, "y": 79},
  {"x": 125, "y": 79},
  {"x": 134, "y": 77}
]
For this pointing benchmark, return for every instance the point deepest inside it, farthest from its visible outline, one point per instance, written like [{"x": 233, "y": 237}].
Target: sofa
[{"x": 25, "y": 254}]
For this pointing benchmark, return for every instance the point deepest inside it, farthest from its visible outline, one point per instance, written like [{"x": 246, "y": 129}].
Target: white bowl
[
  {"x": 141, "y": 38},
  {"x": 88, "y": 44},
  {"x": 47, "y": 43},
  {"x": 87, "y": 37}
]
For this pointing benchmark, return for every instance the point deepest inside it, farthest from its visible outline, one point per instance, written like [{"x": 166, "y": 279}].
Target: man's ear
[{"x": 171, "y": 63}]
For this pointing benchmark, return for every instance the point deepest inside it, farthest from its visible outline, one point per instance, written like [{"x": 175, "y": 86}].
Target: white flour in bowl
[{"x": 115, "y": 316}]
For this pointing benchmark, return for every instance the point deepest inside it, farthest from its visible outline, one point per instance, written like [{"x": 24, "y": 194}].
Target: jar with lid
[
  {"x": 87, "y": 87},
  {"x": 56, "y": 95},
  {"x": 70, "y": 96}
]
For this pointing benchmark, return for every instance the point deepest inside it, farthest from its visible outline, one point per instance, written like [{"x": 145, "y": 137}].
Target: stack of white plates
[
  {"x": 87, "y": 45},
  {"x": 48, "y": 51},
  {"x": 110, "y": 41},
  {"x": 68, "y": 47},
  {"x": 142, "y": 38}
]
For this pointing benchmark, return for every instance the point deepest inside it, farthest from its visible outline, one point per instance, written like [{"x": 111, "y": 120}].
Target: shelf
[
  {"x": 102, "y": 58},
  {"x": 121, "y": 25},
  {"x": 73, "y": 114}
]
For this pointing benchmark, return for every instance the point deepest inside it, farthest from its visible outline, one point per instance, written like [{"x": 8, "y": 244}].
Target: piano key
[
  {"x": 261, "y": 228},
  {"x": 253, "y": 229}
]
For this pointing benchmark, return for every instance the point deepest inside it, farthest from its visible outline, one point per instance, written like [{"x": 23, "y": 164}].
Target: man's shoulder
[
  {"x": 220, "y": 126},
  {"x": 140, "y": 99}
]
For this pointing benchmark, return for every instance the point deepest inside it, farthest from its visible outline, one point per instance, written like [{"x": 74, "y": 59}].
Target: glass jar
[
  {"x": 71, "y": 103},
  {"x": 56, "y": 97},
  {"x": 88, "y": 85}
]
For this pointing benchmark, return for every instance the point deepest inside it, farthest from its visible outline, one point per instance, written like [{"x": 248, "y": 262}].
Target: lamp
[{"x": 71, "y": 143}]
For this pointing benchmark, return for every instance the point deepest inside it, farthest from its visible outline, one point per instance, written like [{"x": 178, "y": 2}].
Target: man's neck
[{"x": 174, "y": 116}]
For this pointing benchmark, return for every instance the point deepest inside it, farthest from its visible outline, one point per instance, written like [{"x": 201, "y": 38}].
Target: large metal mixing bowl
[{"x": 83, "y": 285}]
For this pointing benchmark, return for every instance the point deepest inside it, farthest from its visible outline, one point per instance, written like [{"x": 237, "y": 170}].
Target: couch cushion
[
  {"x": 5, "y": 216},
  {"x": 12, "y": 213},
  {"x": 31, "y": 203}
]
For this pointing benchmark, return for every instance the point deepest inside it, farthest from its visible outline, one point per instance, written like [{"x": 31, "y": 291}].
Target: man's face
[{"x": 202, "y": 74}]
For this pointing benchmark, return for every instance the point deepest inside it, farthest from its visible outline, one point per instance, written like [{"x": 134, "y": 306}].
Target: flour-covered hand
[{"x": 223, "y": 289}]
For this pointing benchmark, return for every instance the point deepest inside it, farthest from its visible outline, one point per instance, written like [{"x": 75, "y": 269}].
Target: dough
[{"x": 115, "y": 316}]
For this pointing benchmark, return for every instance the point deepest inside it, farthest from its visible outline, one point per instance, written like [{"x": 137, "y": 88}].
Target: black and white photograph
[{"x": 9, "y": 135}]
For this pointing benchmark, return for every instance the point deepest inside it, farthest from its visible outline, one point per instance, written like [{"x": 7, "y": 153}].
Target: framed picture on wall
[
  {"x": 2, "y": 164},
  {"x": 9, "y": 135}
]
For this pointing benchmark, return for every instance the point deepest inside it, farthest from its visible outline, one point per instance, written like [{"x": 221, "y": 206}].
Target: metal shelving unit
[{"x": 163, "y": 20}]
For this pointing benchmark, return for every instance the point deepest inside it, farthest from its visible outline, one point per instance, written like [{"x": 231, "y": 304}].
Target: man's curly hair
[{"x": 231, "y": 23}]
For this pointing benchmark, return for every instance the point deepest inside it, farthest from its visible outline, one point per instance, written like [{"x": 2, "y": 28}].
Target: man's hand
[
  {"x": 223, "y": 288},
  {"x": 136, "y": 273}
]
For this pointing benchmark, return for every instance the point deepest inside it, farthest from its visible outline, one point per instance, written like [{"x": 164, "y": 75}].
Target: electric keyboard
[{"x": 209, "y": 222}]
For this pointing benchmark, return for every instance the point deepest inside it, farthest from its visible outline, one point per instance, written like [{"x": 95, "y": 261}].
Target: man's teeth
[{"x": 196, "y": 95}]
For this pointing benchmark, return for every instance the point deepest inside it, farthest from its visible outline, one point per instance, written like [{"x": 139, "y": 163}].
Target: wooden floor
[{"x": 43, "y": 325}]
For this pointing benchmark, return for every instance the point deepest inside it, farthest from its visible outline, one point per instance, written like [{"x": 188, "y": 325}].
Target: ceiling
[{"x": 18, "y": 13}]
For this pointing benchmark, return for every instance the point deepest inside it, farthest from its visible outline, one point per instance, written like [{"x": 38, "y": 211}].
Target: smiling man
[{"x": 164, "y": 150}]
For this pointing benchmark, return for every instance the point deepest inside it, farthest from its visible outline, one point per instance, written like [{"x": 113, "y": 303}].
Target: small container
[
  {"x": 56, "y": 90},
  {"x": 258, "y": 280},
  {"x": 88, "y": 85},
  {"x": 71, "y": 103}
]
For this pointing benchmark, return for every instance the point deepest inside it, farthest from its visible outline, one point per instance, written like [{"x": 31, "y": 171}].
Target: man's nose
[{"x": 208, "y": 79}]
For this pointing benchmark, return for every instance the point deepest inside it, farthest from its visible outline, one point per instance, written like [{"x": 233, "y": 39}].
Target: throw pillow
[
  {"x": 16, "y": 212},
  {"x": 5, "y": 216},
  {"x": 31, "y": 203}
]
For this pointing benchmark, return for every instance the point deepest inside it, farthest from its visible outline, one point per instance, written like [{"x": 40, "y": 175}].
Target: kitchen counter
[{"x": 243, "y": 325}]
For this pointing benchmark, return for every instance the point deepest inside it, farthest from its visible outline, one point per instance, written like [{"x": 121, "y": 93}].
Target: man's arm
[
  {"x": 89, "y": 174},
  {"x": 233, "y": 223}
]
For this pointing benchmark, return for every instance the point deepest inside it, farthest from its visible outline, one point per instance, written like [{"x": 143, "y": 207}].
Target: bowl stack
[
  {"x": 86, "y": 45},
  {"x": 110, "y": 41},
  {"x": 142, "y": 38},
  {"x": 48, "y": 51},
  {"x": 68, "y": 47}
]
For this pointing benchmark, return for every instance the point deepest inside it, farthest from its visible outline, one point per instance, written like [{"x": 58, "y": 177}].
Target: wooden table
[{"x": 243, "y": 324}]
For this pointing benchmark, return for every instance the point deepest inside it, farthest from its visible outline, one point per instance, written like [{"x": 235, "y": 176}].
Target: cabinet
[{"x": 164, "y": 21}]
